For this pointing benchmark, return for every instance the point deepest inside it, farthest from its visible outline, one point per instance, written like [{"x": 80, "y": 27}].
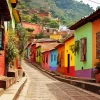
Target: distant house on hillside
[{"x": 36, "y": 28}]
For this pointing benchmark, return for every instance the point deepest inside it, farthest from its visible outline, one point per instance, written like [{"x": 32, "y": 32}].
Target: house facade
[
  {"x": 33, "y": 53},
  {"x": 60, "y": 59},
  {"x": 38, "y": 55},
  {"x": 46, "y": 60},
  {"x": 69, "y": 56},
  {"x": 87, "y": 33},
  {"x": 53, "y": 59}
]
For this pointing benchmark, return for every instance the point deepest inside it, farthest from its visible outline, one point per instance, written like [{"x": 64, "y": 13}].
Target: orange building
[
  {"x": 37, "y": 28},
  {"x": 60, "y": 59}
]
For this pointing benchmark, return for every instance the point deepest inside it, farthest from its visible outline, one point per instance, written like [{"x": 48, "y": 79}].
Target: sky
[{"x": 92, "y": 3}]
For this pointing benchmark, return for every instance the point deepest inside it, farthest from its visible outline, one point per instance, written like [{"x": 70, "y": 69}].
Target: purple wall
[{"x": 84, "y": 73}]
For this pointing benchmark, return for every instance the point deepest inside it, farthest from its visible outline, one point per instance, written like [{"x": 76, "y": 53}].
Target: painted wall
[
  {"x": 37, "y": 28},
  {"x": 33, "y": 56},
  {"x": 46, "y": 60},
  {"x": 2, "y": 62},
  {"x": 61, "y": 68},
  {"x": 68, "y": 43},
  {"x": 55, "y": 36},
  {"x": 95, "y": 29},
  {"x": 84, "y": 31},
  {"x": 53, "y": 60},
  {"x": 38, "y": 55}
]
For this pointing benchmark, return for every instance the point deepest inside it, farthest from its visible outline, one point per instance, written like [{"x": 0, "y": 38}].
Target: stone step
[
  {"x": 92, "y": 87},
  {"x": 1, "y": 91},
  {"x": 6, "y": 82}
]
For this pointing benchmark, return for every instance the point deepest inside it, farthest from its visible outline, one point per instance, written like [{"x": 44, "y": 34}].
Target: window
[
  {"x": 54, "y": 57},
  {"x": 37, "y": 54},
  {"x": 51, "y": 57},
  {"x": 83, "y": 49},
  {"x": 1, "y": 39},
  {"x": 98, "y": 45},
  {"x": 47, "y": 59}
]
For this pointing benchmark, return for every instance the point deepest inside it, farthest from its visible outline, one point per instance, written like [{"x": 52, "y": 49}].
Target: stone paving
[{"x": 43, "y": 87}]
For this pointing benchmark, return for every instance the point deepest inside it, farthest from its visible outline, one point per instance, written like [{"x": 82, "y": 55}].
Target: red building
[
  {"x": 46, "y": 59},
  {"x": 33, "y": 53},
  {"x": 6, "y": 17}
]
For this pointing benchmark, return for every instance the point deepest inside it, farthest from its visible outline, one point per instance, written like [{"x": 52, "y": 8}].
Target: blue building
[{"x": 53, "y": 59}]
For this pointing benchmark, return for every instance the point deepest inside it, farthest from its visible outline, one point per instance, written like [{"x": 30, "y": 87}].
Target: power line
[{"x": 94, "y": 2}]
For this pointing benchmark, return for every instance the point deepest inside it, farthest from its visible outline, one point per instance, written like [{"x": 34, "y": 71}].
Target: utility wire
[{"x": 93, "y": 1}]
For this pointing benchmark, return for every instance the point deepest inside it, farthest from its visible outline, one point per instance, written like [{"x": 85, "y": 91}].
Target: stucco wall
[
  {"x": 72, "y": 56},
  {"x": 84, "y": 31},
  {"x": 95, "y": 29},
  {"x": 53, "y": 63}
]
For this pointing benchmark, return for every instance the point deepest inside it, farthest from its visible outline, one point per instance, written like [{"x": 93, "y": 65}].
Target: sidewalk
[{"x": 12, "y": 92}]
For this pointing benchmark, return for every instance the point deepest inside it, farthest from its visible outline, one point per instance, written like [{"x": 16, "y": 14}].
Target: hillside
[{"x": 69, "y": 11}]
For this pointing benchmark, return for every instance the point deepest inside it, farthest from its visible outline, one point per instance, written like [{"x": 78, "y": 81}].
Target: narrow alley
[{"x": 43, "y": 87}]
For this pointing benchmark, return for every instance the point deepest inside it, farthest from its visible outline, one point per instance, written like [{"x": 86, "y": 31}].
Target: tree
[
  {"x": 24, "y": 36},
  {"x": 11, "y": 47},
  {"x": 35, "y": 19},
  {"x": 45, "y": 21},
  {"x": 53, "y": 24}
]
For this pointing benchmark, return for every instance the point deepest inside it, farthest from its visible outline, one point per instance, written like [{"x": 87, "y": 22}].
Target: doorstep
[{"x": 12, "y": 92}]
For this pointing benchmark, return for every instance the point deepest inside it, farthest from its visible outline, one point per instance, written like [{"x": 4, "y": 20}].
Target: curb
[{"x": 13, "y": 91}]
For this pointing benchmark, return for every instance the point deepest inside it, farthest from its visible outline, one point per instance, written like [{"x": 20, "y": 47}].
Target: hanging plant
[
  {"x": 72, "y": 48},
  {"x": 11, "y": 47},
  {"x": 76, "y": 46}
]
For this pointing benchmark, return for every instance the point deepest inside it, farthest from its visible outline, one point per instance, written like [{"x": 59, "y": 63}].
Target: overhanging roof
[
  {"x": 13, "y": 3},
  {"x": 92, "y": 17},
  {"x": 16, "y": 15},
  {"x": 4, "y": 10}
]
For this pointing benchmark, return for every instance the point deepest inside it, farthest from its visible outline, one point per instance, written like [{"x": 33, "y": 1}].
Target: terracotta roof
[
  {"x": 61, "y": 44},
  {"x": 70, "y": 37},
  {"x": 47, "y": 46},
  {"x": 92, "y": 17},
  {"x": 45, "y": 40}
]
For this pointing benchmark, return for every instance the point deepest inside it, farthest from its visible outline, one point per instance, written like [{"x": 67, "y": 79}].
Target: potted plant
[{"x": 97, "y": 72}]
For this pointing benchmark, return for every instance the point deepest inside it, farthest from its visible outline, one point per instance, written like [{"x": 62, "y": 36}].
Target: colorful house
[
  {"x": 46, "y": 59},
  {"x": 33, "y": 53},
  {"x": 36, "y": 28},
  {"x": 53, "y": 59},
  {"x": 38, "y": 55},
  {"x": 69, "y": 56},
  {"x": 87, "y": 32},
  {"x": 8, "y": 20},
  {"x": 60, "y": 59},
  {"x": 6, "y": 17},
  {"x": 56, "y": 36}
]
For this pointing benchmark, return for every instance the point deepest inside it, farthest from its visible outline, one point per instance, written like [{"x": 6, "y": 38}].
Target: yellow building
[
  {"x": 55, "y": 36},
  {"x": 69, "y": 55}
]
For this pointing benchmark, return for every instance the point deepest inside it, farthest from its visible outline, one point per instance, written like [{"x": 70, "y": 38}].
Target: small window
[
  {"x": 1, "y": 39},
  {"x": 47, "y": 59},
  {"x": 47, "y": 30},
  {"x": 37, "y": 54},
  {"x": 54, "y": 57},
  {"x": 51, "y": 58}
]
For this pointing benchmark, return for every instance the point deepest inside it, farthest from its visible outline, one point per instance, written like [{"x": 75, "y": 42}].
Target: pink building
[{"x": 46, "y": 59}]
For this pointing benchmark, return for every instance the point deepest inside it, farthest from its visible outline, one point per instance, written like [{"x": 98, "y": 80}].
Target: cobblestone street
[{"x": 44, "y": 87}]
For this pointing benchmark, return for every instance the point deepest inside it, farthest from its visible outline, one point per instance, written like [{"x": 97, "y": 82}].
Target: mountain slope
[{"x": 69, "y": 11}]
